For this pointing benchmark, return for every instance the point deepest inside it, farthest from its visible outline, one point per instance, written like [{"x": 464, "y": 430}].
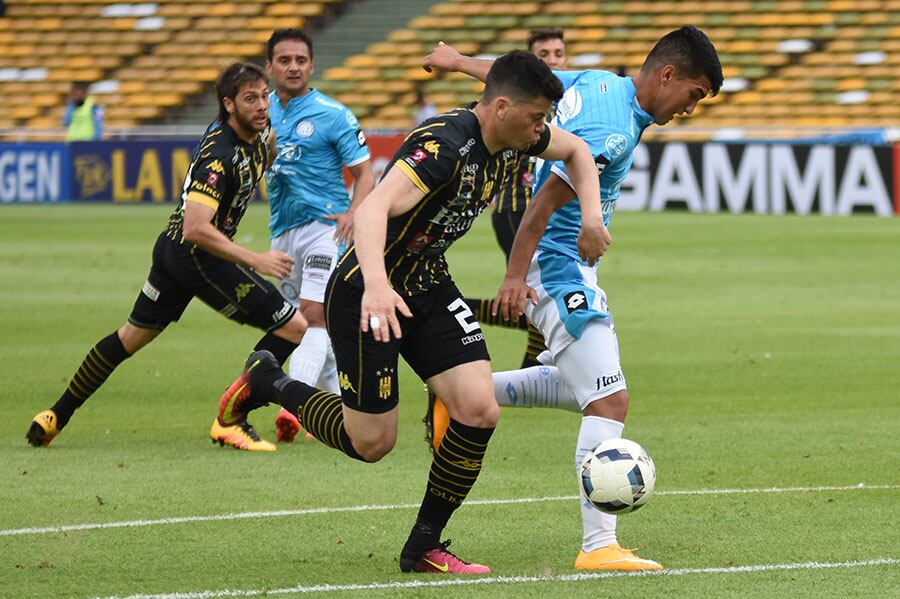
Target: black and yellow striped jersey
[
  {"x": 515, "y": 189},
  {"x": 446, "y": 158},
  {"x": 223, "y": 174}
]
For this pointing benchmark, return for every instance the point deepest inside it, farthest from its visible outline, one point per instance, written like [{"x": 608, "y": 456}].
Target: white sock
[
  {"x": 309, "y": 358},
  {"x": 599, "y": 527},
  {"x": 328, "y": 378},
  {"x": 534, "y": 387}
]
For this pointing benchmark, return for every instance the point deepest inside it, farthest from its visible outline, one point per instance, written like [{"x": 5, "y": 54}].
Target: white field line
[
  {"x": 403, "y": 506},
  {"x": 452, "y": 582}
]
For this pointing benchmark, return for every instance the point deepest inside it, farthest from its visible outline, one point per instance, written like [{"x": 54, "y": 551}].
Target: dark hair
[
  {"x": 541, "y": 35},
  {"x": 691, "y": 52},
  {"x": 232, "y": 78},
  {"x": 279, "y": 35},
  {"x": 521, "y": 76}
]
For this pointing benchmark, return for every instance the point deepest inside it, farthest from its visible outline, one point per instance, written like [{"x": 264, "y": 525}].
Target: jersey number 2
[{"x": 463, "y": 314}]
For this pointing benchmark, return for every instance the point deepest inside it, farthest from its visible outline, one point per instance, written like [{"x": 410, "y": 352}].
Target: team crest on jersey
[
  {"x": 615, "y": 145},
  {"x": 305, "y": 129},
  {"x": 527, "y": 179},
  {"x": 212, "y": 179}
]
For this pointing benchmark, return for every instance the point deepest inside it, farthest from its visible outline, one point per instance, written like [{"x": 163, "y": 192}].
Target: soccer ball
[{"x": 618, "y": 476}]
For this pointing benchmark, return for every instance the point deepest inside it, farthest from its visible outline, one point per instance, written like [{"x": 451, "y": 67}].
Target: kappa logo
[
  {"x": 217, "y": 167},
  {"x": 616, "y": 144},
  {"x": 344, "y": 382},
  {"x": 432, "y": 147},
  {"x": 241, "y": 291},
  {"x": 575, "y": 301}
]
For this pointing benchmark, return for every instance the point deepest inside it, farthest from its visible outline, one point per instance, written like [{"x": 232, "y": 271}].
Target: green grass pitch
[{"x": 761, "y": 352}]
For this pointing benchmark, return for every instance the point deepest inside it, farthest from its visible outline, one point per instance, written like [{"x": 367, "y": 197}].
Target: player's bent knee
[
  {"x": 614, "y": 407},
  {"x": 314, "y": 313},
  {"x": 484, "y": 414},
  {"x": 374, "y": 450},
  {"x": 293, "y": 329}
]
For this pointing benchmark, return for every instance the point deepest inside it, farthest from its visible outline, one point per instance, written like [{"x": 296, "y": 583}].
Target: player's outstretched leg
[
  {"x": 534, "y": 387},
  {"x": 96, "y": 367}
]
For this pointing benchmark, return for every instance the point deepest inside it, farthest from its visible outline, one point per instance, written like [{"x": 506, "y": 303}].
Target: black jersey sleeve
[
  {"x": 428, "y": 159},
  {"x": 212, "y": 178},
  {"x": 541, "y": 144}
]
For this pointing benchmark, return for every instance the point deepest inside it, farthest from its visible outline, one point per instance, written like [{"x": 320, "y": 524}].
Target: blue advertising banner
[
  {"x": 129, "y": 171},
  {"x": 34, "y": 173}
]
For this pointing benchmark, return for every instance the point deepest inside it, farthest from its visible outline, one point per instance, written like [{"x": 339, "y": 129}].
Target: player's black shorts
[
  {"x": 442, "y": 334},
  {"x": 505, "y": 226},
  {"x": 181, "y": 272}
]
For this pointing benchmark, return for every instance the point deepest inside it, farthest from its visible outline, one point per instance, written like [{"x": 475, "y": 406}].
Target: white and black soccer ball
[{"x": 618, "y": 476}]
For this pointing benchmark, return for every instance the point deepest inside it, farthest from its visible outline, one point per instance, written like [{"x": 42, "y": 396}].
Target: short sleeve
[
  {"x": 210, "y": 178},
  {"x": 541, "y": 145},
  {"x": 349, "y": 139},
  {"x": 428, "y": 160}
]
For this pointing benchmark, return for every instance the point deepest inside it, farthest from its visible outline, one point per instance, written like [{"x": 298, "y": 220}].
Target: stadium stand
[
  {"x": 788, "y": 63},
  {"x": 146, "y": 58},
  {"x": 794, "y": 63}
]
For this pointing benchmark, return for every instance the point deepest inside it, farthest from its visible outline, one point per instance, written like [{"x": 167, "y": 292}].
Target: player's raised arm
[
  {"x": 447, "y": 58},
  {"x": 395, "y": 194}
]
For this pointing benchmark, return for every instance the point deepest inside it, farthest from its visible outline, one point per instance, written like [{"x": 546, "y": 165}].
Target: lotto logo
[{"x": 575, "y": 301}]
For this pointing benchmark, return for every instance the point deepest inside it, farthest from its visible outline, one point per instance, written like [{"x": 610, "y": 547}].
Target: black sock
[
  {"x": 535, "y": 346},
  {"x": 96, "y": 367},
  {"x": 320, "y": 412},
  {"x": 454, "y": 469},
  {"x": 280, "y": 348},
  {"x": 482, "y": 310}
]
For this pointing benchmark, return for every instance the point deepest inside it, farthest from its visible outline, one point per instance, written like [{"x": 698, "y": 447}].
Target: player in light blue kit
[
  {"x": 312, "y": 213},
  {"x": 610, "y": 113}
]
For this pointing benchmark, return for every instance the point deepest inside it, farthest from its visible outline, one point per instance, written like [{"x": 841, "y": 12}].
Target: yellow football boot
[
  {"x": 239, "y": 435},
  {"x": 613, "y": 557},
  {"x": 43, "y": 429}
]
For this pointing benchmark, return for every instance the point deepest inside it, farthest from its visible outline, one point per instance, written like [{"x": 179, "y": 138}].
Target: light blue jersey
[
  {"x": 602, "y": 109},
  {"x": 316, "y": 137}
]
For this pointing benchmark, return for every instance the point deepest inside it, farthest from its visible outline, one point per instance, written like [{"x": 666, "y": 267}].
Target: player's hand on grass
[
  {"x": 344, "y": 229},
  {"x": 443, "y": 57},
  {"x": 274, "y": 264},
  {"x": 593, "y": 241},
  {"x": 378, "y": 312},
  {"x": 511, "y": 298}
]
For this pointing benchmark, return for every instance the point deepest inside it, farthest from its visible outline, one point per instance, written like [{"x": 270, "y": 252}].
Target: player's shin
[
  {"x": 96, "y": 367},
  {"x": 599, "y": 528},
  {"x": 454, "y": 470}
]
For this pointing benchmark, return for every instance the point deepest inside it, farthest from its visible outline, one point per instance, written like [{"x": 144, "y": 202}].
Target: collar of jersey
[
  {"x": 641, "y": 116},
  {"x": 293, "y": 103}
]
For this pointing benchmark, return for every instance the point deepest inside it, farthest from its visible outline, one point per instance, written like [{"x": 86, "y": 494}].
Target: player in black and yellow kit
[
  {"x": 195, "y": 256},
  {"x": 393, "y": 295}
]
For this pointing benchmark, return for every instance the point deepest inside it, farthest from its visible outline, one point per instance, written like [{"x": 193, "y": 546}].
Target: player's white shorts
[
  {"x": 572, "y": 314},
  {"x": 315, "y": 254}
]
